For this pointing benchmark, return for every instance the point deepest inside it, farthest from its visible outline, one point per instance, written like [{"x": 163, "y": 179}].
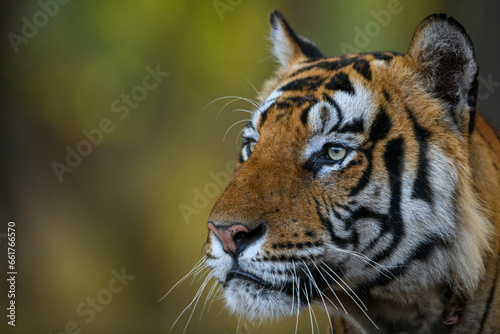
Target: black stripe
[
  {"x": 334, "y": 65},
  {"x": 487, "y": 309},
  {"x": 340, "y": 81},
  {"x": 263, "y": 115},
  {"x": 340, "y": 116},
  {"x": 250, "y": 125},
  {"x": 245, "y": 140},
  {"x": 309, "y": 83},
  {"x": 382, "y": 279},
  {"x": 327, "y": 223},
  {"x": 472, "y": 102},
  {"x": 345, "y": 207},
  {"x": 394, "y": 163},
  {"x": 362, "y": 213},
  {"x": 384, "y": 55},
  {"x": 355, "y": 126},
  {"x": 304, "y": 114},
  {"x": 283, "y": 105},
  {"x": 324, "y": 115},
  {"x": 424, "y": 250},
  {"x": 421, "y": 187},
  {"x": 381, "y": 126},
  {"x": 367, "y": 173},
  {"x": 341, "y": 62},
  {"x": 312, "y": 163},
  {"x": 336, "y": 214},
  {"x": 384, "y": 227},
  {"x": 248, "y": 151},
  {"x": 362, "y": 66},
  {"x": 280, "y": 116},
  {"x": 297, "y": 100},
  {"x": 497, "y": 134},
  {"x": 365, "y": 213},
  {"x": 328, "y": 65},
  {"x": 378, "y": 131},
  {"x": 387, "y": 96},
  {"x": 421, "y": 252}
]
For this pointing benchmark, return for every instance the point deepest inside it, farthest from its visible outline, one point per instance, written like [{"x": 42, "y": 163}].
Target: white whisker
[
  {"x": 309, "y": 308},
  {"x": 252, "y": 102},
  {"x": 238, "y": 326},
  {"x": 244, "y": 110},
  {"x": 220, "y": 312},
  {"x": 237, "y": 137},
  {"x": 210, "y": 294},
  {"x": 320, "y": 293},
  {"x": 298, "y": 301},
  {"x": 334, "y": 294},
  {"x": 354, "y": 300},
  {"x": 260, "y": 96},
  {"x": 203, "y": 286},
  {"x": 348, "y": 287},
  {"x": 197, "y": 268},
  {"x": 195, "y": 300},
  {"x": 294, "y": 274},
  {"x": 223, "y": 107},
  {"x": 372, "y": 263},
  {"x": 238, "y": 122}
]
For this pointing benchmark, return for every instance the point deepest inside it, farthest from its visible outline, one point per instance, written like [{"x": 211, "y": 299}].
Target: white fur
[{"x": 282, "y": 48}]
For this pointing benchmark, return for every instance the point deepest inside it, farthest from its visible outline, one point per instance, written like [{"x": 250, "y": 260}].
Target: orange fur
[{"x": 273, "y": 187}]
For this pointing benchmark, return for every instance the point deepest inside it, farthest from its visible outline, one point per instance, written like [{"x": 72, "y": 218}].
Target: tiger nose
[{"x": 236, "y": 237}]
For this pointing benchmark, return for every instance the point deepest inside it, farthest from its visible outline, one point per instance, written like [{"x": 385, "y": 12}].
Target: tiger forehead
[
  {"x": 315, "y": 81},
  {"x": 358, "y": 62}
]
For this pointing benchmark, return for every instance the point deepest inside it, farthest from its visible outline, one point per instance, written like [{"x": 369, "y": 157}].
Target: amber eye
[
  {"x": 336, "y": 153},
  {"x": 251, "y": 146},
  {"x": 247, "y": 150}
]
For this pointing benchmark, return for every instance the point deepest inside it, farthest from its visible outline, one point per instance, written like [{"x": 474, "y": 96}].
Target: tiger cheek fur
[{"x": 354, "y": 190}]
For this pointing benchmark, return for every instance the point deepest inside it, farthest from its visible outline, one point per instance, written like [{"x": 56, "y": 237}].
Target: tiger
[{"x": 367, "y": 184}]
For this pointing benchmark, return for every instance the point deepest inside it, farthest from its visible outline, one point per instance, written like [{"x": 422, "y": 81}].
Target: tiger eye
[
  {"x": 251, "y": 146},
  {"x": 336, "y": 153}
]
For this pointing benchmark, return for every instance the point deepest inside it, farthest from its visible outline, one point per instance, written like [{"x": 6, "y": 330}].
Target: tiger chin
[{"x": 367, "y": 184}]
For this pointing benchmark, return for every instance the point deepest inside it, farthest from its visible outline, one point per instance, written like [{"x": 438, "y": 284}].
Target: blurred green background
[{"x": 139, "y": 196}]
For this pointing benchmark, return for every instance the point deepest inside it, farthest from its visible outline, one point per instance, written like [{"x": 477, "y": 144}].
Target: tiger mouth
[
  {"x": 249, "y": 277},
  {"x": 287, "y": 288},
  {"x": 303, "y": 285}
]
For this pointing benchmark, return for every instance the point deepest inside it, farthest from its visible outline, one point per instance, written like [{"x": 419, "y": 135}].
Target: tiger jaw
[
  {"x": 255, "y": 302},
  {"x": 249, "y": 295},
  {"x": 261, "y": 289}
]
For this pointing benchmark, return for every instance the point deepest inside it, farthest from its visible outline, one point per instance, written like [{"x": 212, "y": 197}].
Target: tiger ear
[
  {"x": 289, "y": 47},
  {"x": 445, "y": 59}
]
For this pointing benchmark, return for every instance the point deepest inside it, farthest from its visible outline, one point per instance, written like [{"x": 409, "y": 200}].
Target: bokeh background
[{"x": 140, "y": 196}]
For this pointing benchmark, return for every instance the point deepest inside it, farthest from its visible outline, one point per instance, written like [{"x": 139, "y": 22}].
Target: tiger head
[{"x": 353, "y": 178}]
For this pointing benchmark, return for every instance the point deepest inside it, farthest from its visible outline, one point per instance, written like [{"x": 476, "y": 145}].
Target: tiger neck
[
  {"x": 437, "y": 309},
  {"x": 485, "y": 167}
]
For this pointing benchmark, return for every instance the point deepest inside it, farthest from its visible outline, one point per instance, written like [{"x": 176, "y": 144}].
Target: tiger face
[{"x": 354, "y": 180}]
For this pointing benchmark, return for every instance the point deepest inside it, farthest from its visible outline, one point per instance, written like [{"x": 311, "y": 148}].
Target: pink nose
[{"x": 226, "y": 235}]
